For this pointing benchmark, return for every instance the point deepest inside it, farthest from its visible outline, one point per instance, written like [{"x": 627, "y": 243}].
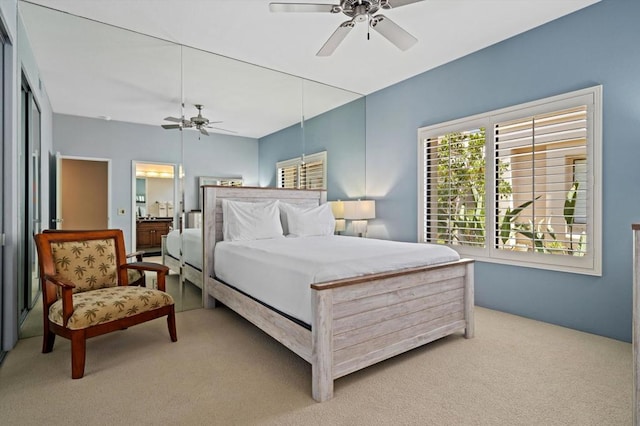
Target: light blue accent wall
[
  {"x": 596, "y": 45},
  {"x": 340, "y": 132},
  {"x": 217, "y": 155},
  {"x": 122, "y": 143}
]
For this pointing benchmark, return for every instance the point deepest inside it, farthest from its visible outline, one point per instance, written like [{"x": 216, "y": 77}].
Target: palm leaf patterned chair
[
  {"x": 86, "y": 291},
  {"x": 136, "y": 276}
]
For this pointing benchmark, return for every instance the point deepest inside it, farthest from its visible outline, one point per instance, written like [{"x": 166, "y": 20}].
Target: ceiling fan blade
[
  {"x": 224, "y": 130},
  {"x": 171, "y": 126},
  {"x": 174, "y": 119},
  {"x": 301, "y": 7},
  {"x": 336, "y": 38},
  {"x": 393, "y": 4},
  {"x": 203, "y": 131},
  {"x": 393, "y": 32}
]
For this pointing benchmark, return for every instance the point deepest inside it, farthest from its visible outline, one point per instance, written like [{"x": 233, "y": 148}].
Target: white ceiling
[{"x": 82, "y": 62}]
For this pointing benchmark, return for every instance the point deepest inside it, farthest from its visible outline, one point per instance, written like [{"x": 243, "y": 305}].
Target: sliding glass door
[
  {"x": 29, "y": 199},
  {"x": 5, "y": 143}
]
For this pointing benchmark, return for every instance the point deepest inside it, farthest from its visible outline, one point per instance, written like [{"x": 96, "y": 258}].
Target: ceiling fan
[
  {"x": 198, "y": 122},
  {"x": 358, "y": 11}
]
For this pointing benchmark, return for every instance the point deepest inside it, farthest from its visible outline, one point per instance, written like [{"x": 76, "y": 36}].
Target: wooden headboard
[{"x": 212, "y": 219}]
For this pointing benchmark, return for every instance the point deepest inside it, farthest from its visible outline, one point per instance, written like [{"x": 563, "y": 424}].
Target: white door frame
[{"x": 176, "y": 210}]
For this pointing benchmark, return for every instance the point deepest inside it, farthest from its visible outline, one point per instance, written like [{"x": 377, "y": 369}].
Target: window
[
  {"x": 307, "y": 172},
  {"x": 513, "y": 185}
]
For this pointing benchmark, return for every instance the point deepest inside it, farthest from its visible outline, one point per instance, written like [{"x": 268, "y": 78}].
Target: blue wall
[
  {"x": 340, "y": 132},
  {"x": 596, "y": 45}
]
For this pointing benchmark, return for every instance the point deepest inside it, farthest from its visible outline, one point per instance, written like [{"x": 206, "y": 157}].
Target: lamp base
[{"x": 359, "y": 227}]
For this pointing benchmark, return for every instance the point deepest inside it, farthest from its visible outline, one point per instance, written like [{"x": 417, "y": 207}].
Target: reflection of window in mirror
[
  {"x": 310, "y": 173},
  {"x": 221, "y": 181}
]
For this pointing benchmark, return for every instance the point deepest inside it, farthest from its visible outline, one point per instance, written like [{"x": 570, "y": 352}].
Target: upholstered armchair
[{"x": 86, "y": 291}]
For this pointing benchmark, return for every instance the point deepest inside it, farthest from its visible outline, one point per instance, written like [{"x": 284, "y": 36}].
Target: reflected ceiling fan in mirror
[
  {"x": 198, "y": 122},
  {"x": 358, "y": 11}
]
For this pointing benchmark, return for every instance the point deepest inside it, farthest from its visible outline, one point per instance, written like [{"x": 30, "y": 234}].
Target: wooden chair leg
[
  {"x": 78, "y": 353},
  {"x": 171, "y": 323},
  {"x": 48, "y": 339}
]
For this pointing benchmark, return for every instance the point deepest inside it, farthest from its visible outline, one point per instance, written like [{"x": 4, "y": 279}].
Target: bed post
[
  {"x": 322, "y": 341},
  {"x": 469, "y": 302},
  {"x": 208, "y": 242}
]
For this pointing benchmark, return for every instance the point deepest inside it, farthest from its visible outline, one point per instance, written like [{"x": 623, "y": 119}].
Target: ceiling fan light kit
[{"x": 358, "y": 11}]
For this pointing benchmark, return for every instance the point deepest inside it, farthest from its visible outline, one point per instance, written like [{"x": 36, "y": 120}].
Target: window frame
[{"x": 591, "y": 263}]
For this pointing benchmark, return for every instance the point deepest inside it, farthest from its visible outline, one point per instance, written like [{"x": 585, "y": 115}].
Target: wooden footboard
[{"x": 359, "y": 322}]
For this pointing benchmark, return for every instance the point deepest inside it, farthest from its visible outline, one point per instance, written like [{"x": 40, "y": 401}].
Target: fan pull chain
[{"x": 368, "y": 26}]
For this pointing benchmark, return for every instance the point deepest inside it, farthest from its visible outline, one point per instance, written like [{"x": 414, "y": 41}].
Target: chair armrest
[
  {"x": 137, "y": 254},
  {"x": 160, "y": 270},
  {"x": 67, "y": 295},
  {"x": 59, "y": 281}
]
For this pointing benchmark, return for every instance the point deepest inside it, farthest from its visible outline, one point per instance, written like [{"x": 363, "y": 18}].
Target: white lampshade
[
  {"x": 341, "y": 225},
  {"x": 360, "y": 210},
  {"x": 337, "y": 207}
]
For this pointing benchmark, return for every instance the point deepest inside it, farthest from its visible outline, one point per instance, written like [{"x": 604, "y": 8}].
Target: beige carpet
[{"x": 224, "y": 371}]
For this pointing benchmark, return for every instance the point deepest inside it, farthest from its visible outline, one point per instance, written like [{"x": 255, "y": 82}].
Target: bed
[
  {"x": 183, "y": 254},
  {"x": 355, "y": 321}
]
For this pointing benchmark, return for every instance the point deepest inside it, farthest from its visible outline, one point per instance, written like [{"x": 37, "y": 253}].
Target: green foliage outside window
[
  {"x": 461, "y": 200},
  {"x": 461, "y": 188}
]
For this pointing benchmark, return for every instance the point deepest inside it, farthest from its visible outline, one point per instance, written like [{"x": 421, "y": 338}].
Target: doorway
[
  {"x": 83, "y": 193},
  {"x": 154, "y": 189}
]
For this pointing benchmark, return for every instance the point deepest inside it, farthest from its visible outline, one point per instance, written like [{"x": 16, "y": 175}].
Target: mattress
[
  {"x": 189, "y": 248},
  {"x": 279, "y": 271}
]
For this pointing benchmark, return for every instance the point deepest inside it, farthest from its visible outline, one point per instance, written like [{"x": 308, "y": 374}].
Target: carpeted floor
[{"x": 224, "y": 371}]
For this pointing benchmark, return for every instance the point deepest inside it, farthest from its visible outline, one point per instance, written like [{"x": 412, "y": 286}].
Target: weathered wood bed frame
[
  {"x": 356, "y": 322},
  {"x": 186, "y": 271}
]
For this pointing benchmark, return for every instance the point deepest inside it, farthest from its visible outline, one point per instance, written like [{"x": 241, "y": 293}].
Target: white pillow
[
  {"x": 307, "y": 222},
  {"x": 245, "y": 221}
]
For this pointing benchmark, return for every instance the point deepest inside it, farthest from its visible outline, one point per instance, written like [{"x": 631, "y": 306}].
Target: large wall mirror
[{"x": 111, "y": 89}]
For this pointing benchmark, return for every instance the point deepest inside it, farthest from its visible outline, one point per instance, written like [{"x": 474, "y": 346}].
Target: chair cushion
[
  {"x": 89, "y": 264},
  {"x": 109, "y": 304}
]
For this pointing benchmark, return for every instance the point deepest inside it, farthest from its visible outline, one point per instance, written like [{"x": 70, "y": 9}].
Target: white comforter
[{"x": 279, "y": 271}]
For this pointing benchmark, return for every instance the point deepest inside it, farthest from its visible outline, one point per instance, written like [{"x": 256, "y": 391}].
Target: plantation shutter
[
  {"x": 313, "y": 175},
  {"x": 580, "y": 176},
  {"x": 288, "y": 176},
  {"x": 308, "y": 174},
  {"x": 230, "y": 182},
  {"x": 537, "y": 155},
  {"x": 454, "y": 178}
]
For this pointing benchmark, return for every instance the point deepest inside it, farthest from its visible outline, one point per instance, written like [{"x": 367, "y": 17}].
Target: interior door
[{"x": 82, "y": 193}]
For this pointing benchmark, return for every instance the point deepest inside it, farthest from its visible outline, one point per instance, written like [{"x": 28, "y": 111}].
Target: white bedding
[
  {"x": 190, "y": 246},
  {"x": 279, "y": 271}
]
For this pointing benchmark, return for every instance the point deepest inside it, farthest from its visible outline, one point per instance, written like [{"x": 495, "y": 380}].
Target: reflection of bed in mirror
[
  {"x": 354, "y": 320},
  {"x": 183, "y": 255}
]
